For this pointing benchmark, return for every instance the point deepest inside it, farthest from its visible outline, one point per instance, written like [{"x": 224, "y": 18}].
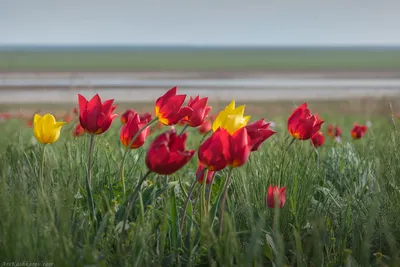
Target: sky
[{"x": 200, "y": 22}]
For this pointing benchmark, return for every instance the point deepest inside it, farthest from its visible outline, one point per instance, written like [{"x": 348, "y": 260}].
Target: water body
[{"x": 134, "y": 88}]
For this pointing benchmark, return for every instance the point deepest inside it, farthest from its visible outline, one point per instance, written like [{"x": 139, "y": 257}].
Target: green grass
[
  {"x": 198, "y": 59},
  {"x": 342, "y": 209}
]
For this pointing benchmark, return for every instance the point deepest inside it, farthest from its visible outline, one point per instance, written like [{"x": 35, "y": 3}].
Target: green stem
[
  {"x": 203, "y": 193},
  {"x": 222, "y": 209},
  {"x": 42, "y": 168},
  {"x": 283, "y": 160},
  {"x": 89, "y": 179},
  {"x": 209, "y": 193},
  {"x": 132, "y": 199},
  {"x": 184, "y": 129},
  {"x": 204, "y": 136},
  {"x": 121, "y": 169},
  {"x": 183, "y": 214}
]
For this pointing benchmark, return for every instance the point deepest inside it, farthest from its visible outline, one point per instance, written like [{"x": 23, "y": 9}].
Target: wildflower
[
  {"x": 130, "y": 129},
  {"x": 168, "y": 108},
  {"x": 200, "y": 111},
  {"x": 302, "y": 125},
  {"x": 258, "y": 132},
  {"x": 358, "y": 131},
  {"x": 95, "y": 117},
  {"x": 276, "y": 193},
  {"x": 231, "y": 118},
  {"x": 127, "y": 115},
  {"x": 318, "y": 139},
  {"x": 167, "y": 153},
  {"x": 46, "y": 129},
  {"x": 78, "y": 130}
]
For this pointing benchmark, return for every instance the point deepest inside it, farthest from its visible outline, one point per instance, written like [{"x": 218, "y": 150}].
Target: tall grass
[{"x": 342, "y": 209}]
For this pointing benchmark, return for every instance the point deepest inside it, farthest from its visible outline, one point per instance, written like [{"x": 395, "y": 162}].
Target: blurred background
[{"x": 341, "y": 54}]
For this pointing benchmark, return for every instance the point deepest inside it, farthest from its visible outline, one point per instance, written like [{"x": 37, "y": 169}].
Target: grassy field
[
  {"x": 198, "y": 59},
  {"x": 342, "y": 209}
]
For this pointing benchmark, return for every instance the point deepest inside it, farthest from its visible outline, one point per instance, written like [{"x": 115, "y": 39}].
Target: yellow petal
[
  {"x": 37, "y": 127},
  {"x": 239, "y": 110},
  {"x": 231, "y": 105},
  {"x": 59, "y": 124}
]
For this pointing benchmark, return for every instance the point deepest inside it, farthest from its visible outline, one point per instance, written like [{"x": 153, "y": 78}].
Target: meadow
[
  {"x": 198, "y": 59},
  {"x": 342, "y": 199}
]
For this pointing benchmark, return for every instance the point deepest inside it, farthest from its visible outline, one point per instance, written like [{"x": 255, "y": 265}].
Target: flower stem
[
  {"x": 203, "y": 192},
  {"x": 183, "y": 214},
  {"x": 209, "y": 192},
  {"x": 283, "y": 160},
  {"x": 42, "y": 168},
  {"x": 222, "y": 209},
  {"x": 132, "y": 199},
  {"x": 89, "y": 179},
  {"x": 121, "y": 169},
  {"x": 184, "y": 129}
]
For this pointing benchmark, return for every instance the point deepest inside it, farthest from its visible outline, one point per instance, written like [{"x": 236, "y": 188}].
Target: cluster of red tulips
[{"x": 230, "y": 144}]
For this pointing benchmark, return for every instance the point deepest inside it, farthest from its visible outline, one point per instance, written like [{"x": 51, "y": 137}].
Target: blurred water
[{"x": 28, "y": 89}]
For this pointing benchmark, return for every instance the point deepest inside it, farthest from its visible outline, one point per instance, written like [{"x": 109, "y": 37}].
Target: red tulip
[
  {"x": 67, "y": 118},
  {"x": 200, "y": 174},
  {"x": 331, "y": 130},
  {"x": 318, "y": 139},
  {"x": 129, "y": 113},
  {"x": 167, "y": 153},
  {"x": 29, "y": 123},
  {"x": 145, "y": 117},
  {"x": 302, "y": 125},
  {"x": 239, "y": 148},
  {"x": 200, "y": 111},
  {"x": 358, "y": 131},
  {"x": 214, "y": 152},
  {"x": 75, "y": 111},
  {"x": 276, "y": 192},
  {"x": 258, "y": 132},
  {"x": 130, "y": 129},
  {"x": 96, "y": 117},
  {"x": 205, "y": 127},
  {"x": 334, "y": 131},
  {"x": 168, "y": 108},
  {"x": 7, "y": 116},
  {"x": 78, "y": 131}
]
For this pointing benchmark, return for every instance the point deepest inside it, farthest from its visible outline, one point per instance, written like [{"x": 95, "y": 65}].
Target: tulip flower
[
  {"x": 168, "y": 108},
  {"x": 96, "y": 117},
  {"x": 78, "y": 131},
  {"x": 302, "y": 125},
  {"x": 205, "y": 127},
  {"x": 130, "y": 129},
  {"x": 167, "y": 153},
  {"x": 258, "y": 132},
  {"x": 358, "y": 131},
  {"x": 67, "y": 118},
  {"x": 75, "y": 111},
  {"x": 334, "y": 131},
  {"x": 127, "y": 115},
  {"x": 46, "y": 129},
  {"x": 239, "y": 148},
  {"x": 274, "y": 192},
  {"x": 200, "y": 111},
  {"x": 331, "y": 130},
  {"x": 214, "y": 152},
  {"x": 145, "y": 117},
  {"x": 317, "y": 139},
  {"x": 200, "y": 174},
  {"x": 231, "y": 118}
]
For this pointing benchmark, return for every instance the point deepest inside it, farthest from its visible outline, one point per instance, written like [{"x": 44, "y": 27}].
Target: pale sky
[{"x": 200, "y": 22}]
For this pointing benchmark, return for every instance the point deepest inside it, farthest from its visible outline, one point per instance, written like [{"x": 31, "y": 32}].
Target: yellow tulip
[
  {"x": 231, "y": 118},
  {"x": 46, "y": 129}
]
